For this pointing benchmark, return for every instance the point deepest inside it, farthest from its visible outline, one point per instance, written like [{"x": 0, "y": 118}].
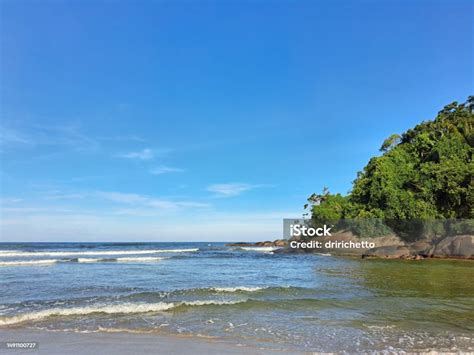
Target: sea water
[{"x": 249, "y": 296}]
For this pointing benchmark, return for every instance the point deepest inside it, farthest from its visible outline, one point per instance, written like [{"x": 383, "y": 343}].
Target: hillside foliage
[{"x": 425, "y": 173}]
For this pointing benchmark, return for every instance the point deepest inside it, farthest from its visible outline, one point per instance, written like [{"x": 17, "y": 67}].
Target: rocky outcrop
[
  {"x": 264, "y": 244},
  {"x": 280, "y": 243},
  {"x": 277, "y": 243},
  {"x": 347, "y": 236},
  {"x": 388, "y": 252},
  {"x": 240, "y": 244},
  {"x": 422, "y": 248},
  {"x": 387, "y": 247},
  {"x": 460, "y": 246}
]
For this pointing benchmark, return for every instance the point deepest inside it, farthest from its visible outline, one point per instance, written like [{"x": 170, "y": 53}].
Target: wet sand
[{"x": 53, "y": 343}]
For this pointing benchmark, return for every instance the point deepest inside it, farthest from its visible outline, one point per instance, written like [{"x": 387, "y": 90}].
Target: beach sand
[{"x": 52, "y": 343}]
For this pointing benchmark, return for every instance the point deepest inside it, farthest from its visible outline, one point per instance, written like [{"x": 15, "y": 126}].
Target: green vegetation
[{"x": 425, "y": 174}]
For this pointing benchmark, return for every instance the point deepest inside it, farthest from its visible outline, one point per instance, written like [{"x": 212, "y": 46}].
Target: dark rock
[{"x": 240, "y": 244}]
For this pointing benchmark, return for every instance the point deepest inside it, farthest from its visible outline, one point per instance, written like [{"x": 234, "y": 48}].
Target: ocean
[{"x": 244, "y": 296}]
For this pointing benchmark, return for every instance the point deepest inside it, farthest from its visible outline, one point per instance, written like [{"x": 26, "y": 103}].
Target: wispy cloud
[
  {"x": 118, "y": 199},
  {"x": 149, "y": 202},
  {"x": 70, "y": 135},
  {"x": 145, "y": 154},
  {"x": 34, "y": 135},
  {"x": 122, "y": 197},
  {"x": 165, "y": 170},
  {"x": 230, "y": 189}
]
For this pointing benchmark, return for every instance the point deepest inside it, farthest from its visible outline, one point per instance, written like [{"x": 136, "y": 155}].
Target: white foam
[
  {"x": 28, "y": 262},
  {"x": 124, "y": 260},
  {"x": 79, "y": 311},
  {"x": 5, "y": 253},
  {"x": 260, "y": 249},
  {"x": 89, "y": 260},
  {"x": 237, "y": 289},
  {"x": 127, "y": 308},
  {"x": 140, "y": 259},
  {"x": 210, "y": 302}
]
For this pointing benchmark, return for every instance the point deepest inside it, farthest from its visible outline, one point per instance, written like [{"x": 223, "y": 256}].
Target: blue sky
[{"x": 208, "y": 120}]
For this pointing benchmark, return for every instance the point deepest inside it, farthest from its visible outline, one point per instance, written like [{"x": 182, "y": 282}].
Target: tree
[{"x": 390, "y": 142}]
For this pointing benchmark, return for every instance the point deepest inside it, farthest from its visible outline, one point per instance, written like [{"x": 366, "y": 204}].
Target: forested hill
[{"x": 424, "y": 173}]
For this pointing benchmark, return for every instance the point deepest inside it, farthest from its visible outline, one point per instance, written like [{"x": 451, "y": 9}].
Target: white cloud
[
  {"x": 149, "y": 202},
  {"x": 165, "y": 170},
  {"x": 230, "y": 189},
  {"x": 136, "y": 203},
  {"x": 33, "y": 135},
  {"x": 121, "y": 197},
  {"x": 145, "y": 154}
]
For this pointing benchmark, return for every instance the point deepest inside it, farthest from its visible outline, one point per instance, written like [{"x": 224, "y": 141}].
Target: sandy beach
[{"x": 52, "y": 343}]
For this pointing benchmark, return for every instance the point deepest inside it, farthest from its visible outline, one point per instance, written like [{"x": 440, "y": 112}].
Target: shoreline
[{"x": 122, "y": 342}]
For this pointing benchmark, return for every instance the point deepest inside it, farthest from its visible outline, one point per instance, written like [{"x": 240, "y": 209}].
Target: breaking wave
[
  {"x": 137, "y": 259},
  {"x": 237, "y": 289},
  {"x": 143, "y": 259},
  {"x": 260, "y": 249},
  {"x": 127, "y": 308},
  {"x": 5, "y": 253},
  {"x": 140, "y": 259},
  {"x": 29, "y": 262}
]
